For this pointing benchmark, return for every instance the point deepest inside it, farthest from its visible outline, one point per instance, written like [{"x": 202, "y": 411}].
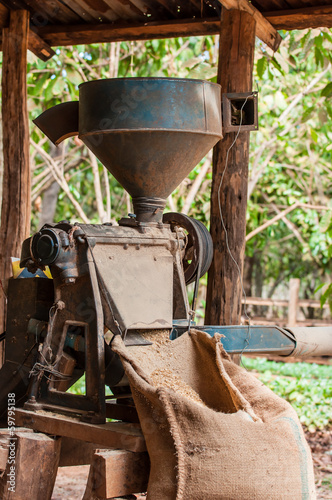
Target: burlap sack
[{"x": 230, "y": 439}]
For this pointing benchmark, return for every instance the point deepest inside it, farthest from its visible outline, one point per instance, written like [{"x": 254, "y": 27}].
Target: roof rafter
[
  {"x": 84, "y": 34},
  {"x": 307, "y": 17},
  {"x": 264, "y": 29},
  {"x": 35, "y": 44}
]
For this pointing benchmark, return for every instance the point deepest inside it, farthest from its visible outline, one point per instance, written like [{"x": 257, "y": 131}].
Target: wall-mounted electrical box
[{"x": 240, "y": 109}]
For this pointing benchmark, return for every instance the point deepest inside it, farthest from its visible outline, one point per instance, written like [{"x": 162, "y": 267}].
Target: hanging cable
[{"x": 247, "y": 339}]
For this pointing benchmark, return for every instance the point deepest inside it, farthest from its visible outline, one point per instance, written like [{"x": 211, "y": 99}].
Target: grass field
[{"x": 307, "y": 387}]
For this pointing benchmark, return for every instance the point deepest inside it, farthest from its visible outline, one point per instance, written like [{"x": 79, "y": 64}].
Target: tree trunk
[
  {"x": 15, "y": 213},
  {"x": 248, "y": 275},
  {"x": 236, "y": 57}
]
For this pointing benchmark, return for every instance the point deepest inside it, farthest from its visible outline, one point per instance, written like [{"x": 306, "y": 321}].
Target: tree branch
[
  {"x": 196, "y": 184},
  {"x": 96, "y": 182},
  {"x": 58, "y": 176}
]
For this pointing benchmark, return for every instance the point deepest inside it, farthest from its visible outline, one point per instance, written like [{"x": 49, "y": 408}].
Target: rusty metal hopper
[{"x": 148, "y": 132}]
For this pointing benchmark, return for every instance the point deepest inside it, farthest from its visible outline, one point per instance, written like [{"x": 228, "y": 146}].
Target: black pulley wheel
[
  {"x": 199, "y": 246},
  {"x": 207, "y": 247}
]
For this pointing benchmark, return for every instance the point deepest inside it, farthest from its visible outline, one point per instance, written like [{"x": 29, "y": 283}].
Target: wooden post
[
  {"x": 31, "y": 467},
  {"x": 236, "y": 58},
  {"x": 294, "y": 288},
  {"x": 15, "y": 212}
]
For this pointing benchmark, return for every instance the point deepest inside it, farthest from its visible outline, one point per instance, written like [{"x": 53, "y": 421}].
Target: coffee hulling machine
[{"x": 125, "y": 279}]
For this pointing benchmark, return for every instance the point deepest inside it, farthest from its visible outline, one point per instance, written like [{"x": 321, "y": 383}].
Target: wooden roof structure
[{"x": 71, "y": 22}]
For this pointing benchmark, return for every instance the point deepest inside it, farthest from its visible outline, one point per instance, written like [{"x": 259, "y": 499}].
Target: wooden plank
[
  {"x": 308, "y": 17},
  {"x": 156, "y": 10},
  {"x": 264, "y": 29},
  {"x": 44, "y": 12},
  {"x": 236, "y": 59},
  {"x": 34, "y": 467},
  {"x": 112, "y": 434},
  {"x": 86, "y": 10},
  {"x": 39, "y": 47},
  {"x": 172, "y": 7},
  {"x": 76, "y": 452},
  {"x": 15, "y": 212},
  {"x": 75, "y": 35},
  {"x": 116, "y": 473},
  {"x": 294, "y": 288},
  {"x": 265, "y": 5},
  {"x": 125, "y": 10}
]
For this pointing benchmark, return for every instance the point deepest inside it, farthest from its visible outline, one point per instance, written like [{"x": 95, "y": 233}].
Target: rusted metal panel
[
  {"x": 139, "y": 281},
  {"x": 240, "y": 109}
]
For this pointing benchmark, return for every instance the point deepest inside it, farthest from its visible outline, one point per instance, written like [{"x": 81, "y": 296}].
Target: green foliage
[
  {"x": 307, "y": 387},
  {"x": 291, "y": 162},
  {"x": 79, "y": 388}
]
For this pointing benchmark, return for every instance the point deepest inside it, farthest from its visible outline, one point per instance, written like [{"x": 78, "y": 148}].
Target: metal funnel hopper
[{"x": 148, "y": 132}]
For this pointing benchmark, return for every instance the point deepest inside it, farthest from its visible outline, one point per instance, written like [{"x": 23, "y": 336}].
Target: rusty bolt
[
  {"x": 138, "y": 246},
  {"x": 70, "y": 281},
  {"x": 60, "y": 305},
  {"x": 125, "y": 246}
]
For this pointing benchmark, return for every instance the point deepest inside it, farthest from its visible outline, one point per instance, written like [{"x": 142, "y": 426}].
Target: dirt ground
[
  {"x": 320, "y": 443},
  {"x": 71, "y": 481}
]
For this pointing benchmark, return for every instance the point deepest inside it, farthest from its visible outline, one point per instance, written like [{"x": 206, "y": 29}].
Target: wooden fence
[{"x": 293, "y": 304}]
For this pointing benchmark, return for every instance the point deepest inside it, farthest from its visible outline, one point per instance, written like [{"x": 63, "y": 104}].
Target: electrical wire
[{"x": 247, "y": 339}]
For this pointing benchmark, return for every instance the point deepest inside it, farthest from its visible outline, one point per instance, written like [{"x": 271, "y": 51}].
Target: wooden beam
[
  {"x": 63, "y": 35},
  {"x": 76, "y": 452},
  {"x": 100, "y": 33},
  {"x": 116, "y": 473},
  {"x": 236, "y": 59},
  {"x": 35, "y": 44},
  {"x": 39, "y": 47},
  {"x": 5, "y": 435},
  {"x": 295, "y": 19},
  {"x": 4, "y": 16},
  {"x": 15, "y": 213},
  {"x": 112, "y": 434},
  {"x": 264, "y": 29}
]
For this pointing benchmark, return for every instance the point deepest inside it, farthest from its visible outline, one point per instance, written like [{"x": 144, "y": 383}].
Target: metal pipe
[{"x": 312, "y": 341}]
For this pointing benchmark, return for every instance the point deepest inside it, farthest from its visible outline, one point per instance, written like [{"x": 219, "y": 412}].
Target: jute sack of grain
[{"x": 212, "y": 430}]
